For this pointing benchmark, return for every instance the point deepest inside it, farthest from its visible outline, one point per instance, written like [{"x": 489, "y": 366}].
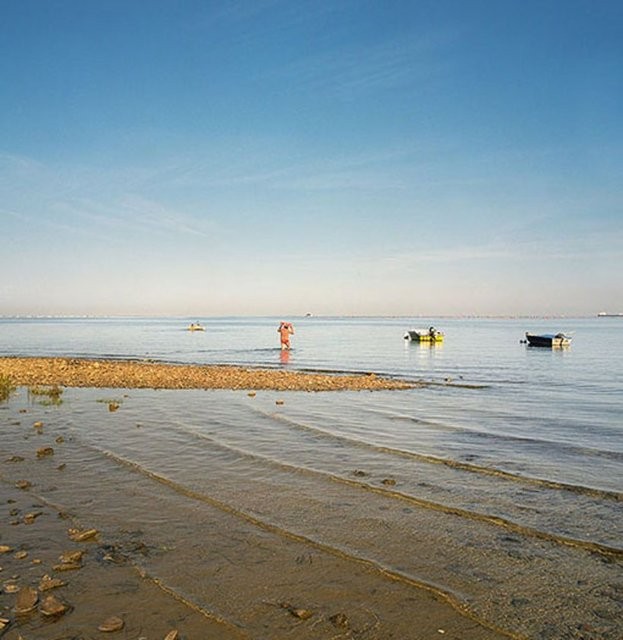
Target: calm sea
[{"x": 511, "y": 459}]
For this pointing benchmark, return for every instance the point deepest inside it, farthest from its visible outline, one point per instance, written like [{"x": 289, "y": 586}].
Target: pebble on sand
[
  {"x": 111, "y": 624},
  {"x": 48, "y": 583},
  {"x": 29, "y": 518},
  {"x": 70, "y": 560},
  {"x": 70, "y": 557},
  {"x": 27, "y": 599},
  {"x": 79, "y": 535},
  {"x": 52, "y": 606}
]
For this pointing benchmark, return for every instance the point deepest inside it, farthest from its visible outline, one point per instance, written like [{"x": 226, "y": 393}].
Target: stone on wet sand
[
  {"x": 29, "y": 518},
  {"x": 71, "y": 557},
  {"x": 48, "y": 583},
  {"x": 52, "y": 606},
  {"x": 111, "y": 624},
  {"x": 45, "y": 451},
  {"x": 79, "y": 535},
  {"x": 70, "y": 560},
  {"x": 26, "y": 600}
]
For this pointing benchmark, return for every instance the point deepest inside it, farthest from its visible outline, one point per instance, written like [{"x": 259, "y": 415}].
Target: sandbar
[{"x": 144, "y": 374}]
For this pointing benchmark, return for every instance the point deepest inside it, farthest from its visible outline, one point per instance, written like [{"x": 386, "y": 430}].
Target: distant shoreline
[{"x": 109, "y": 373}]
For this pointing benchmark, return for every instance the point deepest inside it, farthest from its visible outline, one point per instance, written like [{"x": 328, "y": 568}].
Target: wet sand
[
  {"x": 197, "y": 535},
  {"x": 267, "y": 587},
  {"x": 166, "y": 562},
  {"x": 72, "y": 372}
]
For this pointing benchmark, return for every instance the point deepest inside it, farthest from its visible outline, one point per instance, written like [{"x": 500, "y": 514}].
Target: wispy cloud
[
  {"x": 135, "y": 213},
  {"x": 358, "y": 69}
]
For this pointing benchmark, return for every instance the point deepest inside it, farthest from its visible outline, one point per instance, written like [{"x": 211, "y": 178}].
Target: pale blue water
[
  {"x": 513, "y": 452},
  {"x": 556, "y": 414}
]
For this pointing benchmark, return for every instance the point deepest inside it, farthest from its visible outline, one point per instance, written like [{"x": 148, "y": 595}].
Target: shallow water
[{"x": 496, "y": 491}]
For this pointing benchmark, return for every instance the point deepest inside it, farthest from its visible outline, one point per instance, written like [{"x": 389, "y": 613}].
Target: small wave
[
  {"x": 382, "y": 570},
  {"x": 464, "y": 466},
  {"x": 420, "y": 502}
]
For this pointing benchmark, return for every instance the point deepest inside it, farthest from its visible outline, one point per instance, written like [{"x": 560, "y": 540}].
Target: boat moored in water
[
  {"x": 424, "y": 335},
  {"x": 195, "y": 327},
  {"x": 548, "y": 339}
]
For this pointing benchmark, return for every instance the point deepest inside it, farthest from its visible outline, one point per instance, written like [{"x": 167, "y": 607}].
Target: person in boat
[
  {"x": 432, "y": 332},
  {"x": 285, "y": 331}
]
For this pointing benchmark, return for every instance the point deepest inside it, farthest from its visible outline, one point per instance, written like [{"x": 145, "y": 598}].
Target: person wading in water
[{"x": 285, "y": 331}]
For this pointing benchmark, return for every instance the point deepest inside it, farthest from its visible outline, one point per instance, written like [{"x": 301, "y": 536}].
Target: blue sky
[{"x": 429, "y": 157}]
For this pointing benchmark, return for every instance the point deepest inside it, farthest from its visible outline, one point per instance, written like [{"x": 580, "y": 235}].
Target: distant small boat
[
  {"x": 424, "y": 335},
  {"x": 195, "y": 327},
  {"x": 548, "y": 340}
]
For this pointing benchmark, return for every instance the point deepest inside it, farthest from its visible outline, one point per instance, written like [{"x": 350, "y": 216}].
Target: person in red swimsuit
[{"x": 285, "y": 331}]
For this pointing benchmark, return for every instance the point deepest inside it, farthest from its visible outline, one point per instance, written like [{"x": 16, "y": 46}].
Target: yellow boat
[
  {"x": 424, "y": 335},
  {"x": 195, "y": 327}
]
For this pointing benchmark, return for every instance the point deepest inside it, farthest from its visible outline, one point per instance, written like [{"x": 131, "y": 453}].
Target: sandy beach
[{"x": 73, "y": 372}]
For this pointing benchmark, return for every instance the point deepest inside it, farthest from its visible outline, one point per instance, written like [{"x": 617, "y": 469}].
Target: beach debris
[
  {"x": 10, "y": 587},
  {"x": 60, "y": 440},
  {"x": 27, "y": 599},
  {"x": 339, "y": 620},
  {"x": 52, "y": 606},
  {"x": 172, "y": 635},
  {"x": 4, "y": 548},
  {"x": 80, "y": 535},
  {"x": 4, "y": 623},
  {"x": 61, "y": 466},
  {"x": 20, "y": 555},
  {"x": 297, "y": 612},
  {"x": 45, "y": 451},
  {"x": 359, "y": 473},
  {"x": 23, "y": 484},
  {"x": 70, "y": 560},
  {"x": 279, "y": 402},
  {"x": 38, "y": 424},
  {"x": 47, "y": 582},
  {"x": 16, "y": 459},
  {"x": 67, "y": 566},
  {"x": 29, "y": 518},
  {"x": 68, "y": 557},
  {"x": 113, "y": 406},
  {"x": 111, "y": 624},
  {"x": 252, "y": 394},
  {"x": 390, "y": 482}
]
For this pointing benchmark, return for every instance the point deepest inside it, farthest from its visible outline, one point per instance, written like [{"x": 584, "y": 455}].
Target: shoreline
[{"x": 111, "y": 373}]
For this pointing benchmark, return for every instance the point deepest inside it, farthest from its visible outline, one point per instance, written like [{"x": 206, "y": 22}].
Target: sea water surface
[{"x": 497, "y": 485}]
